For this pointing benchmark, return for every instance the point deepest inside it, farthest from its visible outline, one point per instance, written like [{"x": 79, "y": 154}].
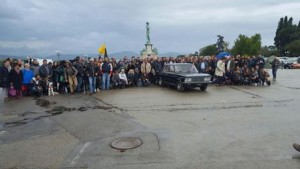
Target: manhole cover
[{"x": 126, "y": 143}]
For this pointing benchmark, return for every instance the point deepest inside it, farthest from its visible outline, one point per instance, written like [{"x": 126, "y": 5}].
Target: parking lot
[{"x": 224, "y": 127}]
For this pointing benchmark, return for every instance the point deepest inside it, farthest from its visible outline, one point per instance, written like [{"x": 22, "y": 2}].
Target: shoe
[
  {"x": 98, "y": 90},
  {"x": 296, "y": 146}
]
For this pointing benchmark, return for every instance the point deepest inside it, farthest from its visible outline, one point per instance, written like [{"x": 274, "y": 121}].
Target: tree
[
  {"x": 180, "y": 56},
  {"x": 209, "y": 50},
  {"x": 246, "y": 46},
  {"x": 294, "y": 48},
  {"x": 286, "y": 33}
]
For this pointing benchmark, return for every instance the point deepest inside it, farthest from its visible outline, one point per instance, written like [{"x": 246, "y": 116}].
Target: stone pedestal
[{"x": 148, "y": 51}]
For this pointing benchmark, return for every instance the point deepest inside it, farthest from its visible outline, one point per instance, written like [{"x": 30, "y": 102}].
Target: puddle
[
  {"x": 27, "y": 113},
  {"x": 94, "y": 108},
  {"x": 59, "y": 110},
  {"x": 83, "y": 109},
  {"x": 44, "y": 103},
  {"x": 101, "y": 107}
]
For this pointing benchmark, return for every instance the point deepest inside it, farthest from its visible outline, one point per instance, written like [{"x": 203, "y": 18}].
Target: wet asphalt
[{"x": 224, "y": 127}]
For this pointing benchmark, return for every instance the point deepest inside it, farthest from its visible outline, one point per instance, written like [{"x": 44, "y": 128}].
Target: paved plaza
[{"x": 228, "y": 127}]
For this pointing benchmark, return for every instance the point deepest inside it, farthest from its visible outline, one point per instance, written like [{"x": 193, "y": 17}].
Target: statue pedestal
[{"x": 148, "y": 51}]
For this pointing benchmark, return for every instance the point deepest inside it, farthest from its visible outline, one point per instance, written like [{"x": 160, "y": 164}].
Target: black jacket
[
  {"x": 92, "y": 70},
  {"x": 4, "y": 81},
  {"x": 43, "y": 71},
  {"x": 79, "y": 67},
  {"x": 16, "y": 79}
]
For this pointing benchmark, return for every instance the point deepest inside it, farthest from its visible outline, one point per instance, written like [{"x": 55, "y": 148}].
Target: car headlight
[
  {"x": 187, "y": 79},
  {"x": 207, "y": 79}
]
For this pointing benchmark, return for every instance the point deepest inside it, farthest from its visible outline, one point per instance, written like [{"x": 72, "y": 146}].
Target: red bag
[
  {"x": 24, "y": 88},
  {"x": 12, "y": 91}
]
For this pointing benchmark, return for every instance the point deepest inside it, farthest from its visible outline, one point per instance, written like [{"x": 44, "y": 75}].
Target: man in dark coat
[
  {"x": 4, "y": 71},
  {"x": 16, "y": 79},
  {"x": 45, "y": 70},
  {"x": 4, "y": 74},
  {"x": 80, "y": 68},
  {"x": 92, "y": 71}
]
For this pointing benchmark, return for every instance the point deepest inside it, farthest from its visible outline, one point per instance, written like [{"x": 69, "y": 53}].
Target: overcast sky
[{"x": 40, "y": 27}]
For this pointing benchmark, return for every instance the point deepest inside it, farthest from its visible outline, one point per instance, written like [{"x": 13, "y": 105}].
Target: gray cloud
[{"x": 76, "y": 26}]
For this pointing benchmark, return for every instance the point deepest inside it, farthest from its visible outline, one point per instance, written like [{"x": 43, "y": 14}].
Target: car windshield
[
  {"x": 186, "y": 68},
  {"x": 291, "y": 60}
]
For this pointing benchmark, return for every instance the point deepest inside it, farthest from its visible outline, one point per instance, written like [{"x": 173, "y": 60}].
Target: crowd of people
[{"x": 90, "y": 75}]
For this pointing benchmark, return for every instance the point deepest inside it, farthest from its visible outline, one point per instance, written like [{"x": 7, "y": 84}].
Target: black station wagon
[{"x": 182, "y": 76}]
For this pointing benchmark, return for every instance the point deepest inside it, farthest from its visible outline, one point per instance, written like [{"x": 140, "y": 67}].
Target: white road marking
[
  {"x": 76, "y": 158},
  {"x": 2, "y": 132}
]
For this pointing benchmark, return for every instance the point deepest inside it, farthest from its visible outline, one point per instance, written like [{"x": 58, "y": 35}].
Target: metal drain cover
[{"x": 126, "y": 143}]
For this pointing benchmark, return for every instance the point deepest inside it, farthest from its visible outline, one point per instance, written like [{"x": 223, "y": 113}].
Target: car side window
[
  {"x": 166, "y": 68},
  {"x": 172, "y": 69}
]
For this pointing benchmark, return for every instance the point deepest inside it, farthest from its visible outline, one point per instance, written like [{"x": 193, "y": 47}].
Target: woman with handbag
[{"x": 15, "y": 81}]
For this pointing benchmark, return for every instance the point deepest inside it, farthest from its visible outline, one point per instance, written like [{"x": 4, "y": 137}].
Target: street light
[{"x": 58, "y": 53}]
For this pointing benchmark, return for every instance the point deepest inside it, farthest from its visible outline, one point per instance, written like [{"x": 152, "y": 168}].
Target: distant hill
[
  {"x": 120, "y": 55},
  {"x": 172, "y": 54},
  {"x": 117, "y": 55},
  {"x": 2, "y": 57}
]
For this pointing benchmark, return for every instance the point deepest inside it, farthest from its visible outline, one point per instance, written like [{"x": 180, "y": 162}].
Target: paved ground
[{"x": 229, "y": 127}]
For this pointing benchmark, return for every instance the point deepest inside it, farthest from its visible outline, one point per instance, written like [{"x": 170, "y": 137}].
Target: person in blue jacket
[{"x": 28, "y": 74}]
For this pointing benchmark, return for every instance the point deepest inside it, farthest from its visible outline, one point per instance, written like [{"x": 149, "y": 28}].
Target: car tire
[
  {"x": 179, "y": 86},
  {"x": 203, "y": 87}
]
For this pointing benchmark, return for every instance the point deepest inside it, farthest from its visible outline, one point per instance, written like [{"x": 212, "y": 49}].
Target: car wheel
[
  {"x": 203, "y": 87},
  {"x": 179, "y": 86},
  {"x": 160, "y": 82}
]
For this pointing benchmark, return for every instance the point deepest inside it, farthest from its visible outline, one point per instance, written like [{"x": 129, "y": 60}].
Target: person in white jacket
[
  {"x": 220, "y": 70},
  {"x": 123, "y": 77}
]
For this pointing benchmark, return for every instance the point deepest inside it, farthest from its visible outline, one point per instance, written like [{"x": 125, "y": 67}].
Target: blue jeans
[
  {"x": 274, "y": 72},
  {"x": 92, "y": 84},
  {"x": 79, "y": 81},
  {"x": 105, "y": 81}
]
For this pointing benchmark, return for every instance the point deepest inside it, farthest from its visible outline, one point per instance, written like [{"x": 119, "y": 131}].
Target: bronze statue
[
  {"x": 220, "y": 43},
  {"x": 148, "y": 32}
]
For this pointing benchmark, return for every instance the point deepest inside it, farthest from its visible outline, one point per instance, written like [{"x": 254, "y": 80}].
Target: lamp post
[{"x": 58, "y": 53}]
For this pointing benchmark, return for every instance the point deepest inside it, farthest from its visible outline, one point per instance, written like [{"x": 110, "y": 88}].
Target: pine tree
[
  {"x": 279, "y": 28},
  {"x": 290, "y": 22},
  {"x": 285, "y": 22}
]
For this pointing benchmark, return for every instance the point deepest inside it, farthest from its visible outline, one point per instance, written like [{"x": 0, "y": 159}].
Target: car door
[
  {"x": 172, "y": 75},
  {"x": 164, "y": 74}
]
